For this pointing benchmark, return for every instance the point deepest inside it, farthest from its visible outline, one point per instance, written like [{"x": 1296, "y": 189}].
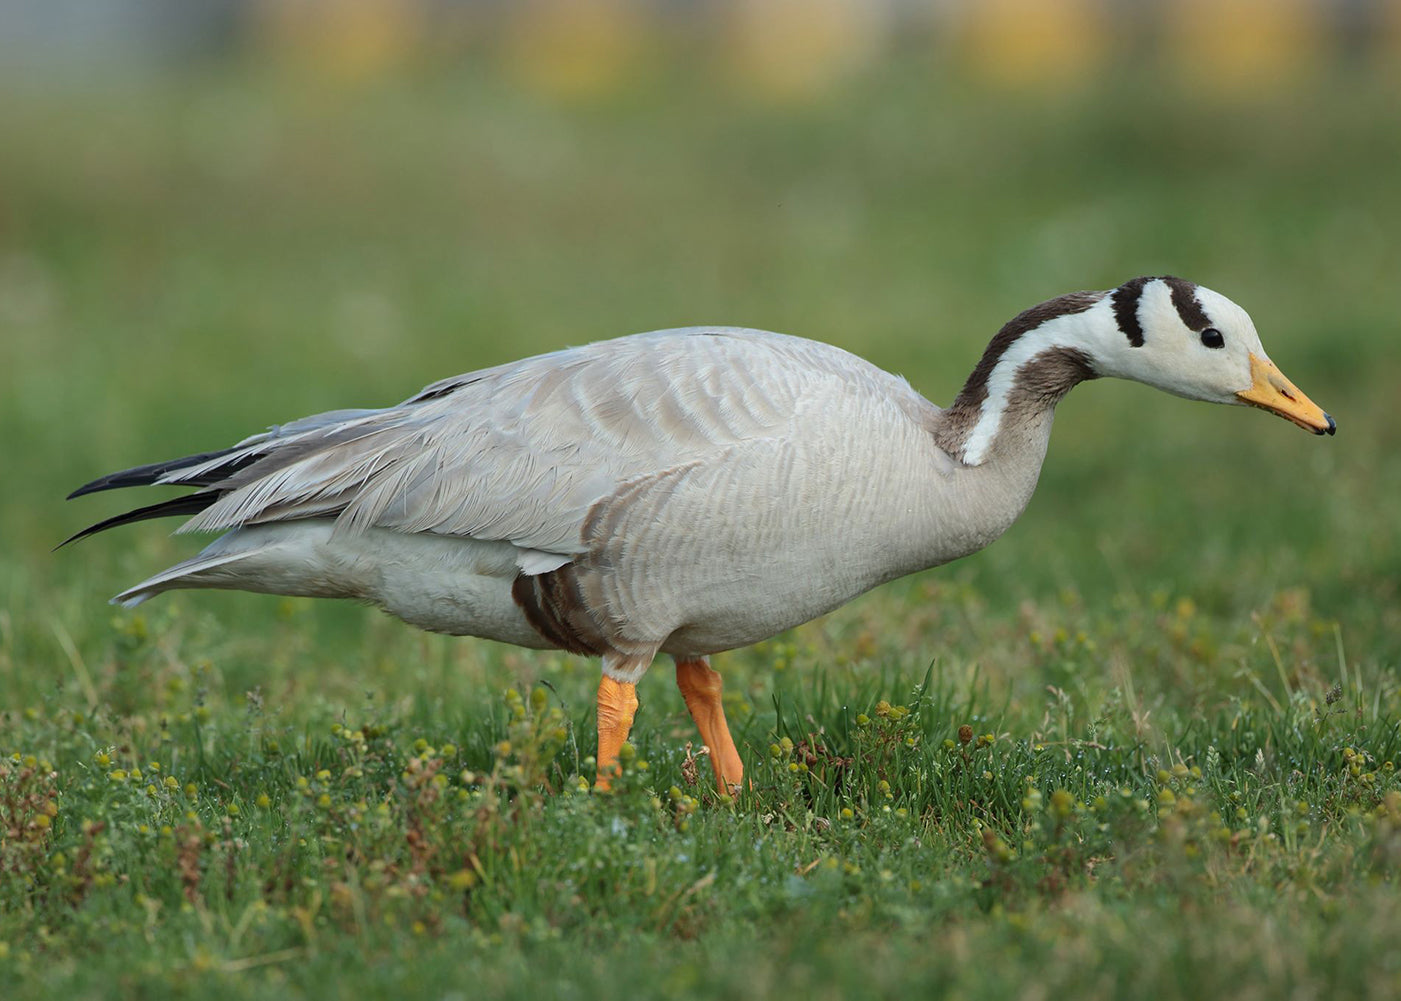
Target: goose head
[{"x": 1192, "y": 342}]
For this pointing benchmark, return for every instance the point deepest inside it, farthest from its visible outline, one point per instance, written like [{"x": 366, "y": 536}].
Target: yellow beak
[{"x": 1273, "y": 392}]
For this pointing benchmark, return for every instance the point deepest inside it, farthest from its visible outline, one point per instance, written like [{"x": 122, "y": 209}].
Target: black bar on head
[
  {"x": 1126, "y": 298},
  {"x": 1184, "y": 300}
]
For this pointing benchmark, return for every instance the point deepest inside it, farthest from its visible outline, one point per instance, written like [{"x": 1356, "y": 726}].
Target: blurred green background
[{"x": 218, "y": 216}]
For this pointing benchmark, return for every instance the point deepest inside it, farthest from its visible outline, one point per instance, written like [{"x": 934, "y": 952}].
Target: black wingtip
[
  {"x": 144, "y": 476},
  {"x": 189, "y": 504}
]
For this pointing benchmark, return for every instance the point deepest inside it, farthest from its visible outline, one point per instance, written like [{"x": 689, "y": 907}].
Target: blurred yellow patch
[
  {"x": 347, "y": 40},
  {"x": 1033, "y": 43},
  {"x": 1242, "y": 47},
  {"x": 797, "y": 49},
  {"x": 577, "y": 49}
]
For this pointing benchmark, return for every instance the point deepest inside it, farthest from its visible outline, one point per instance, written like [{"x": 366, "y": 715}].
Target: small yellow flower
[{"x": 463, "y": 879}]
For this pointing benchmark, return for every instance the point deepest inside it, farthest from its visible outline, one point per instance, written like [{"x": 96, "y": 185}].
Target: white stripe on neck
[{"x": 1070, "y": 330}]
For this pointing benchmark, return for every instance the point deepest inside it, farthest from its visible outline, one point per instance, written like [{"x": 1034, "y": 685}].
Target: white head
[
  {"x": 1193, "y": 342},
  {"x": 1165, "y": 332}
]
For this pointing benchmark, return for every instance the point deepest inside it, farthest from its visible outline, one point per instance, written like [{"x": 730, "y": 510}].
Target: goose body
[{"x": 685, "y": 491}]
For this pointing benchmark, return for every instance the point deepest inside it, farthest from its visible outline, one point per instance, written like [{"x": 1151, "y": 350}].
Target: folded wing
[{"x": 520, "y": 452}]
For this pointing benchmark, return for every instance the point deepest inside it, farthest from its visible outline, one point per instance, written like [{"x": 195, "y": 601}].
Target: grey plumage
[{"x": 685, "y": 491}]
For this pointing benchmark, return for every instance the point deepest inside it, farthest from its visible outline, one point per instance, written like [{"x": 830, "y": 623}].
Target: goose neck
[{"x": 1008, "y": 400}]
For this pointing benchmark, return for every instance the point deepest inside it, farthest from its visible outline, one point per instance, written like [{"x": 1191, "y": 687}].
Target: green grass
[{"x": 1178, "y": 672}]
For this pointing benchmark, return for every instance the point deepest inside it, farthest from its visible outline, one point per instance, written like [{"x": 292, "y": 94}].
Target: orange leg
[
  {"x": 617, "y": 704},
  {"x": 700, "y": 686}
]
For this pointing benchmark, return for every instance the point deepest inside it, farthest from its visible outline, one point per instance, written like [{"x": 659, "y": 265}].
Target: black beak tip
[{"x": 1332, "y": 425}]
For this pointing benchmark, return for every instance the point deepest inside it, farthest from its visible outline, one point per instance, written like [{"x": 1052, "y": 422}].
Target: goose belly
[
  {"x": 746, "y": 612},
  {"x": 443, "y": 584}
]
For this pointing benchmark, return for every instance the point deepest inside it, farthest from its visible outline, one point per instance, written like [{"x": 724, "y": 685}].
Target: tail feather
[{"x": 185, "y": 574}]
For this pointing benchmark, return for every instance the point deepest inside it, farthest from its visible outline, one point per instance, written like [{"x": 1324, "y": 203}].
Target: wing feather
[{"x": 523, "y": 451}]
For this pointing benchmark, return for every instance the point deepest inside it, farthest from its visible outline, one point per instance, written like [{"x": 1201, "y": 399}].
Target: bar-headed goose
[{"x": 682, "y": 492}]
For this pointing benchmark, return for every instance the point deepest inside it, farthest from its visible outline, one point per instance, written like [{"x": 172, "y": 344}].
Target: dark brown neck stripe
[
  {"x": 957, "y": 422},
  {"x": 1042, "y": 381},
  {"x": 975, "y": 390}
]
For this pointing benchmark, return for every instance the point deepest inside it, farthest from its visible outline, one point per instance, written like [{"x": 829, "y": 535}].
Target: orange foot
[{"x": 700, "y": 687}]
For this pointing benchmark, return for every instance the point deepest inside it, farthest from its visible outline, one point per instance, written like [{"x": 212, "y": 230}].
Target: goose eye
[{"x": 1212, "y": 338}]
